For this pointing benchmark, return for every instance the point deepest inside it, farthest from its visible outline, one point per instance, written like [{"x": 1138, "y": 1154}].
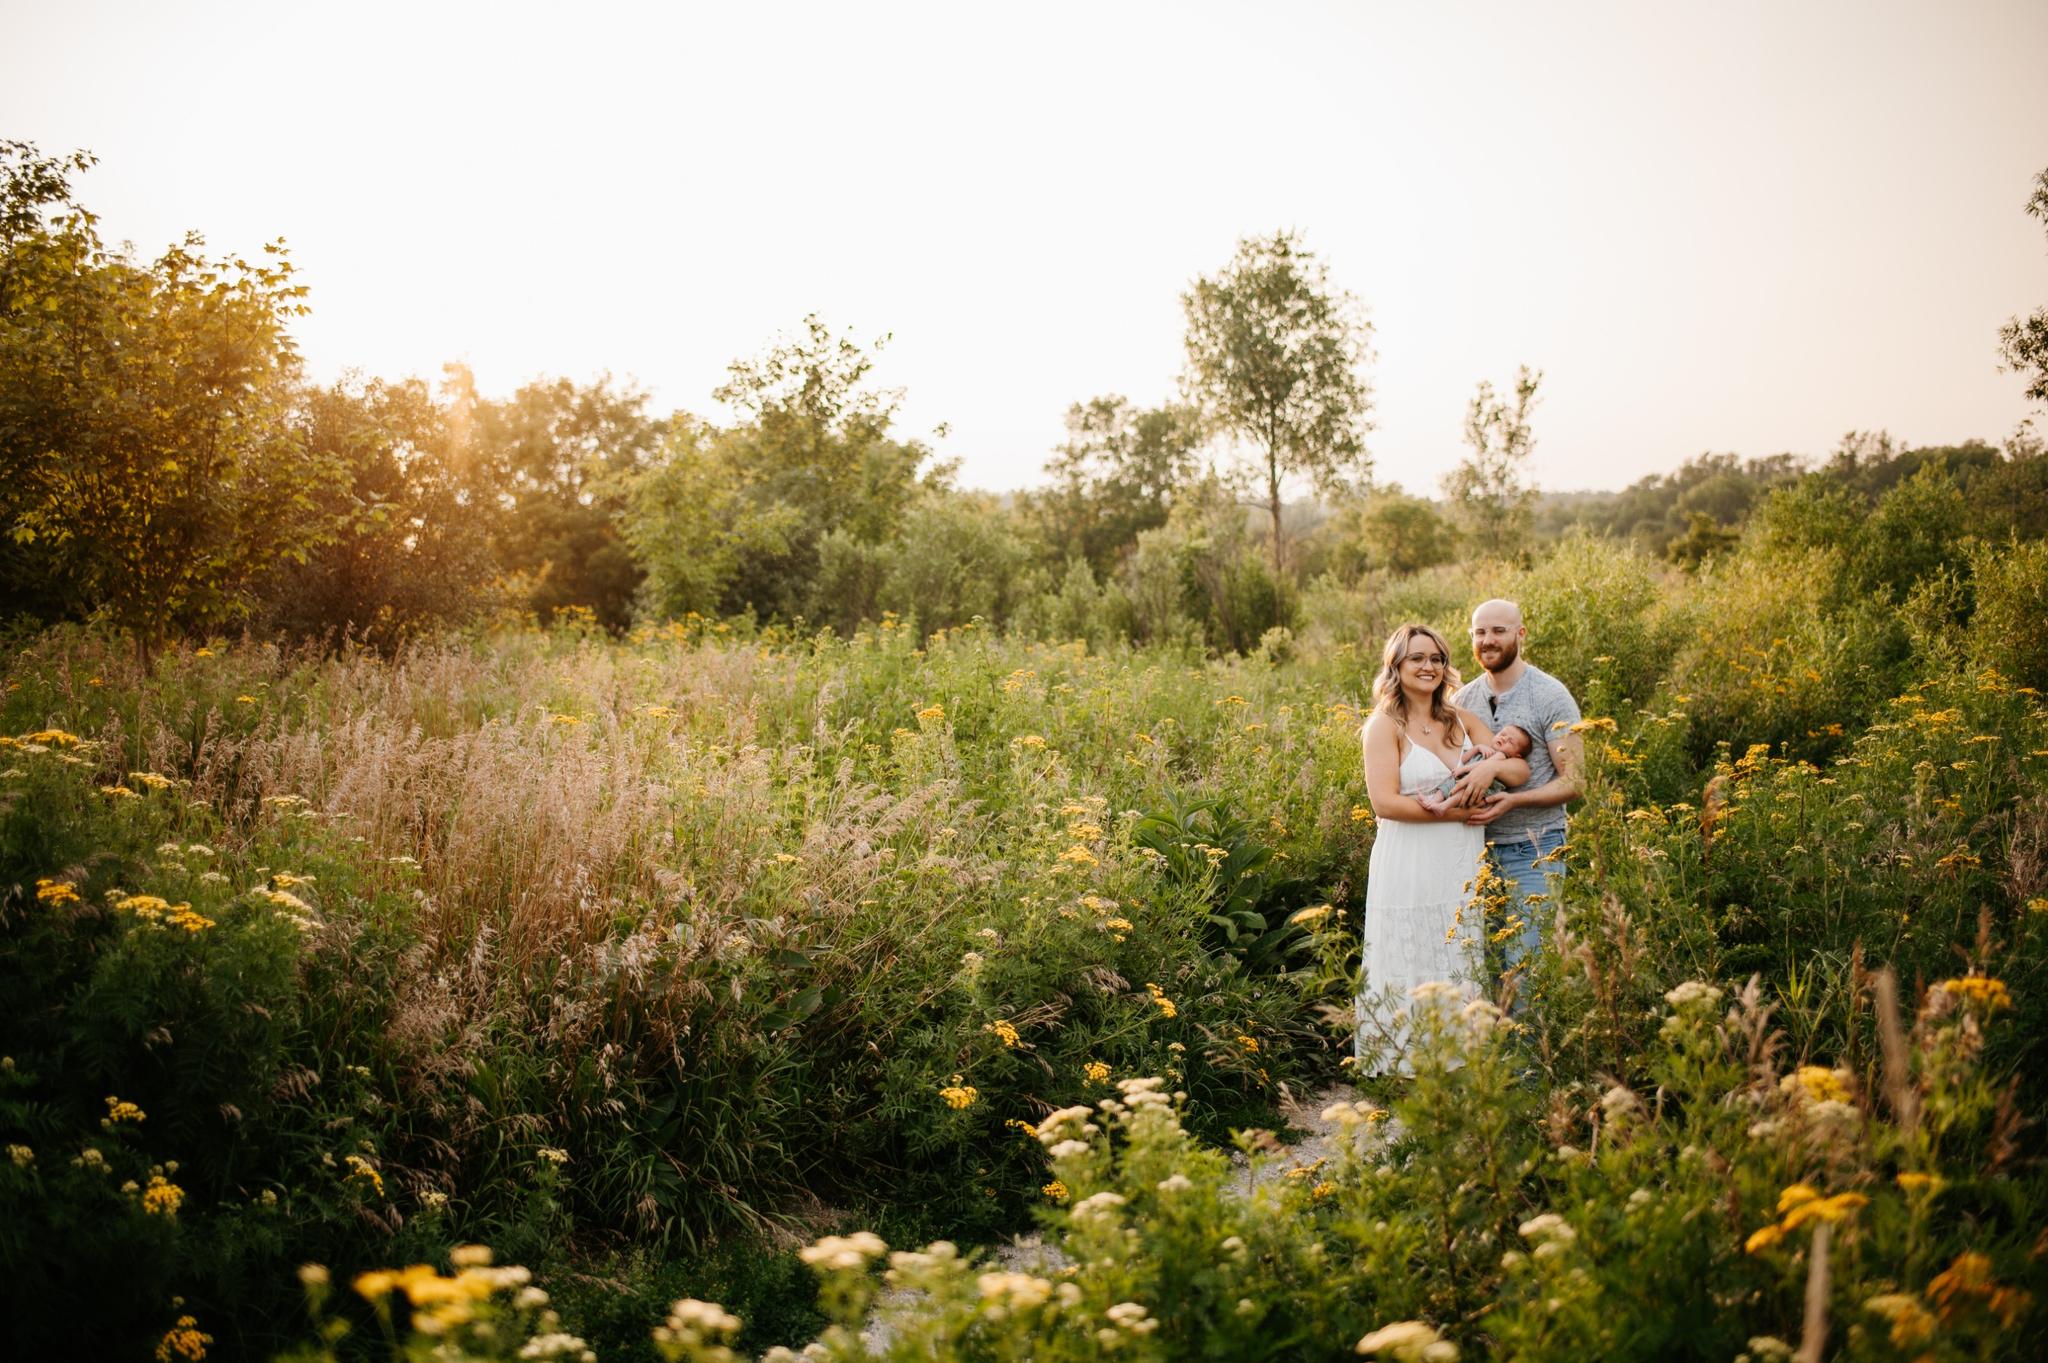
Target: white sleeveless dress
[{"x": 1420, "y": 922}]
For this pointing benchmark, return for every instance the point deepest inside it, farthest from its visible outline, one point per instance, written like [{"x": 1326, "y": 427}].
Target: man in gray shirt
[{"x": 1524, "y": 827}]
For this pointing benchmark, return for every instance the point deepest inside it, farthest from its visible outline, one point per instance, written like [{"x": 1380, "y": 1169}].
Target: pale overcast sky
[{"x": 1743, "y": 226}]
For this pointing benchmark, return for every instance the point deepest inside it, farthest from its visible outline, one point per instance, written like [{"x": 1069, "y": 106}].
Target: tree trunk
[{"x": 1273, "y": 507}]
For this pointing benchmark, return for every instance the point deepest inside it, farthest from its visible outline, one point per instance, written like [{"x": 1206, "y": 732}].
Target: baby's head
[{"x": 1512, "y": 741}]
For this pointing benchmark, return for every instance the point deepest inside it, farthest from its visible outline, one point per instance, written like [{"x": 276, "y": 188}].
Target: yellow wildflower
[
  {"x": 1360, "y": 813},
  {"x": 1969, "y": 1279},
  {"x": 1028, "y": 741},
  {"x": 1055, "y": 1190},
  {"x": 360, "y": 1168},
  {"x": 1819, "y": 1083},
  {"x": 1006, "y": 1032},
  {"x": 185, "y": 1339},
  {"x": 1921, "y": 1183},
  {"x": 1160, "y": 1001},
  {"x": 1824, "y": 1209},
  {"x": 1797, "y": 1195},
  {"x": 1097, "y": 1072},
  {"x": 1762, "y": 1240},
  {"x": 55, "y": 892},
  {"x": 959, "y": 1096},
  {"x": 55, "y": 738},
  {"x": 162, "y": 1197},
  {"x": 1986, "y": 993},
  {"x": 1250, "y": 1043},
  {"x": 931, "y": 714},
  {"x": 119, "y": 1111},
  {"x": 1079, "y": 856},
  {"x": 119, "y": 792},
  {"x": 1313, "y": 914},
  {"x": 150, "y": 780}
]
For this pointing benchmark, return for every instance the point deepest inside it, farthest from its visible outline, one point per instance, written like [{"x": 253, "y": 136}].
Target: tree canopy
[{"x": 1274, "y": 353}]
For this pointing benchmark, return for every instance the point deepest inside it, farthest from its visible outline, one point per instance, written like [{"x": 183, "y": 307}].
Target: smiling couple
[{"x": 1456, "y": 777}]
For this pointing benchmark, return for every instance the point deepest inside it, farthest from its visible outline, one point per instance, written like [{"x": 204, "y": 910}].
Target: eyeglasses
[{"x": 1433, "y": 659}]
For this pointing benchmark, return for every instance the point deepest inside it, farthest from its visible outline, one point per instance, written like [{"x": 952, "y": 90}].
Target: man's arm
[{"x": 1567, "y": 754}]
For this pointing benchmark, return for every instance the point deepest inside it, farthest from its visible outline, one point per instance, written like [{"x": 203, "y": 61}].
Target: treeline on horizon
[{"x": 172, "y": 472}]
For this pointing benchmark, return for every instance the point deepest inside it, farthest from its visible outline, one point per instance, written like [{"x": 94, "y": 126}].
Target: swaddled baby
[{"x": 1512, "y": 741}]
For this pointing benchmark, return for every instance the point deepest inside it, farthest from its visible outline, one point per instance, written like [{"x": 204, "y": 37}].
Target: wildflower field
[{"x": 718, "y": 979}]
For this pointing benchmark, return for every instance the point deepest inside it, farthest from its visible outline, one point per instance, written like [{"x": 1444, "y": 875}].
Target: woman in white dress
[{"x": 1420, "y": 925}]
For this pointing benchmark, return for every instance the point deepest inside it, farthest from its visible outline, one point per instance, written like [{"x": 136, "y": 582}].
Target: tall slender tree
[
  {"x": 1489, "y": 488},
  {"x": 2024, "y": 340},
  {"x": 1274, "y": 352}
]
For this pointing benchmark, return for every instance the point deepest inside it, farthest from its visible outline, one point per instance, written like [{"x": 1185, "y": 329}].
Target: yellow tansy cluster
[
  {"x": 1968, "y": 1281},
  {"x": 1984, "y": 992},
  {"x": 55, "y": 892},
  {"x": 440, "y": 1303},
  {"x": 183, "y": 1340},
  {"x": 1817, "y": 1083},
  {"x": 1006, "y": 1032},
  {"x": 162, "y": 1197},
  {"x": 1160, "y": 1001},
  {"x": 119, "y": 1111},
  {"x": 1797, "y": 1206},
  {"x": 361, "y": 1169},
  {"x": 153, "y": 909},
  {"x": 1097, "y": 1072},
  {"x": 959, "y": 1096}
]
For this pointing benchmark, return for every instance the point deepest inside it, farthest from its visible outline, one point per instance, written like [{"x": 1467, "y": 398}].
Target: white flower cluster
[
  {"x": 558, "y": 1345},
  {"x": 1054, "y": 1135},
  {"x": 1620, "y": 1101},
  {"x": 1008, "y": 1292},
  {"x": 1126, "y": 1317},
  {"x": 691, "y": 1321},
  {"x": 839, "y": 1252},
  {"x": 1099, "y": 1204},
  {"x": 1550, "y": 1233},
  {"x": 1409, "y": 1341},
  {"x": 912, "y": 1267},
  {"x": 1691, "y": 992}
]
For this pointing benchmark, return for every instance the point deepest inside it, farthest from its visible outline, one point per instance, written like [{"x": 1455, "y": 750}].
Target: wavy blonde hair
[{"x": 1387, "y": 696}]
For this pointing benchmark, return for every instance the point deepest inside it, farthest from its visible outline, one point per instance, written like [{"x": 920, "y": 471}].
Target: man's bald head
[
  {"x": 1497, "y": 635},
  {"x": 1497, "y": 611}
]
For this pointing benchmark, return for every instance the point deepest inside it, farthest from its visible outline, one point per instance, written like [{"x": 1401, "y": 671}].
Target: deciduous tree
[
  {"x": 144, "y": 431},
  {"x": 1115, "y": 476},
  {"x": 1489, "y": 487},
  {"x": 2024, "y": 340},
  {"x": 1274, "y": 352}
]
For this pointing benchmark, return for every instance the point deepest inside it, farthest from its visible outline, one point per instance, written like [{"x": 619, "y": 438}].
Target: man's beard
[{"x": 1509, "y": 651}]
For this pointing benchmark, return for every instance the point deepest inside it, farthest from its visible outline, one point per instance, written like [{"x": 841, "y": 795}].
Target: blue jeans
[{"x": 1533, "y": 863}]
